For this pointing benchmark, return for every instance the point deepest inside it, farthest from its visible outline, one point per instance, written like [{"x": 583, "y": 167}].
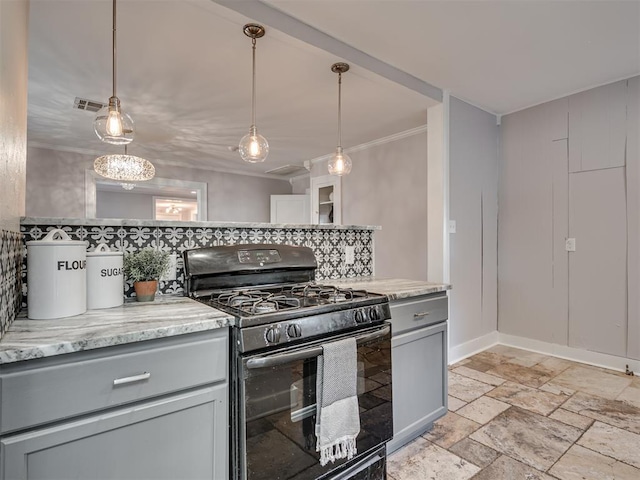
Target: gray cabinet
[
  {"x": 326, "y": 200},
  {"x": 290, "y": 209},
  {"x": 419, "y": 362},
  {"x": 180, "y": 436},
  {"x": 169, "y": 419}
]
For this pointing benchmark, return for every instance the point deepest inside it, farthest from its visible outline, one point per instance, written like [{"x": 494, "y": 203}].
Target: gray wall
[
  {"x": 13, "y": 146},
  {"x": 300, "y": 185},
  {"x": 13, "y": 111},
  {"x": 124, "y": 205},
  {"x": 387, "y": 186},
  {"x": 233, "y": 198},
  {"x": 389, "y": 189},
  {"x": 633, "y": 217},
  {"x": 533, "y": 223},
  {"x": 55, "y": 183},
  {"x": 473, "y": 180},
  {"x": 569, "y": 168},
  {"x": 56, "y": 188}
]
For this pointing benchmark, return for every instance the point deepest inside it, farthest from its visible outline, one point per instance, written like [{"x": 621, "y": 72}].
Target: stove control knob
[
  {"x": 294, "y": 331},
  {"x": 272, "y": 335},
  {"x": 360, "y": 316},
  {"x": 373, "y": 314}
]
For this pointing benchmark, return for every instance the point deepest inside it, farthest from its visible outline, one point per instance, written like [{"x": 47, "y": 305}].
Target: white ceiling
[
  {"x": 500, "y": 55},
  {"x": 184, "y": 68}
]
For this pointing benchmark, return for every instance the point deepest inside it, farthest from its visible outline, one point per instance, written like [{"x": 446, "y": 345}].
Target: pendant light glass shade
[
  {"x": 339, "y": 163},
  {"x": 124, "y": 168},
  {"x": 253, "y": 147},
  {"x": 112, "y": 125}
]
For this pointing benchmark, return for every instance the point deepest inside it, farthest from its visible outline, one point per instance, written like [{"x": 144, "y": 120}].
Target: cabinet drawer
[
  {"x": 418, "y": 312},
  {"x": 83, "y": 382}
]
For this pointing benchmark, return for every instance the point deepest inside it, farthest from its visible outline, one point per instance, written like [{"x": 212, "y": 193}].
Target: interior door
[{"x": 598, "y": 267}]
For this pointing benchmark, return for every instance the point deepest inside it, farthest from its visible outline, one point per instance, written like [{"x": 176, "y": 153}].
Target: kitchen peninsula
[
  {"x": 141, "y": 378},
  {"x": 328, "y": 242}
]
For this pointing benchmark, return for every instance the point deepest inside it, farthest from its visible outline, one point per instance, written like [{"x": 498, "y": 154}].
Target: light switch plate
[
  {"x": 452, "y": 226},
  {"x": 570, "y": 244}
]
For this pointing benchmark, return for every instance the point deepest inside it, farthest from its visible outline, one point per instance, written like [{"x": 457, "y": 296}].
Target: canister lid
[
  {"x": 57, "y": 237},
  {"x": 103, "y": 250}
]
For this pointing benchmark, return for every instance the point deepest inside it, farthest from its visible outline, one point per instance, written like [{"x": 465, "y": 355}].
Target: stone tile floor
[{"x": 515, "y": 414}]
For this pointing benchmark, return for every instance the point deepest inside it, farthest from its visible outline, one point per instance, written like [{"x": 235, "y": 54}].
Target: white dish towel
[{"x": 337, "y": 416}]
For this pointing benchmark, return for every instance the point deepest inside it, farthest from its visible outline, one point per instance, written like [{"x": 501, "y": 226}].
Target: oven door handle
[{"x": 281, "y": 358}]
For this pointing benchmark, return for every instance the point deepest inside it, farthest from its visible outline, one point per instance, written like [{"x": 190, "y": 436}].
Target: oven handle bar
[{"x": 281, "y": 358}]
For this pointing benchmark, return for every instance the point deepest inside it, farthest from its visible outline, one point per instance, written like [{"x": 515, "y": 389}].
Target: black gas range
[
  {"x": 282, "y": 318},
  {"x": 271, "y": 291}
]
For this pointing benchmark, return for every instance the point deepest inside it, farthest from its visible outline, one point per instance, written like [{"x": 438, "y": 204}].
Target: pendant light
[
  {"x": 339, "y": 163},
  {"x": 124, "y": 168},
  {"x": 112, "y": 124},
  {"x": 253, "y": 147}
]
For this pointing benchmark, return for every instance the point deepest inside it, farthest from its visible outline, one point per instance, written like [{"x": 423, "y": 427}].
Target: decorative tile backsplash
[
  {"x": 328, "y": 244},
  {"x": 11, "y": 248}
]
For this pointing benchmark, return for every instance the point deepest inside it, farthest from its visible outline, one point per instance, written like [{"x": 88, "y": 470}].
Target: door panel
[
  {"x": 597, "y": 128},
  {"x": 290, "y": 209},
  {"x": 183, "y": 436},
  {"x": 419, "y": 382},
  {"x": 598, "y": 267}
]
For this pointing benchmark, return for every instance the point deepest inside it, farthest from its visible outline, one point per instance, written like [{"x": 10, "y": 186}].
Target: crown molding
[
  {"x": 573, "y": 92},
  {"x": 375, "y": 143}
]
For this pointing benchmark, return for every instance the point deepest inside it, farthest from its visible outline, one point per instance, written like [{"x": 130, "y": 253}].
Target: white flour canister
[
  {"x": 105, "y": 281},
  {"x": 56, "y": 276}
]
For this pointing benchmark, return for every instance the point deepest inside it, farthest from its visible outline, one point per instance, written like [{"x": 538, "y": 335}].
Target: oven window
[{"x": 280, "y": 411}]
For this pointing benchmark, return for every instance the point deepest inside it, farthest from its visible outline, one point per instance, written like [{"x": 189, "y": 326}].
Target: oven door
[{"x": 276, "y": 408}]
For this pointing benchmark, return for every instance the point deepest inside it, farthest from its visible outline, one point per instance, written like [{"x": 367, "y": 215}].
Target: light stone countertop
[
  {"x": 165, "y": 317},
  {"x": 394, "y": 288},
  {"x": 133, "y": 322},
  {"x": 116, "y": 222}
]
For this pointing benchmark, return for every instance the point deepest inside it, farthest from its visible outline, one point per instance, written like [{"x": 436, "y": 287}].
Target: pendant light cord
[
  {"x": 339, "y": 109},
  {"x": 114, "y": 48},
  {"x": 253, "y": 85}
]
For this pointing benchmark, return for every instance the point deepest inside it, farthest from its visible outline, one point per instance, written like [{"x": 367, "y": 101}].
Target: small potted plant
[{"x": 144, "y": 269}]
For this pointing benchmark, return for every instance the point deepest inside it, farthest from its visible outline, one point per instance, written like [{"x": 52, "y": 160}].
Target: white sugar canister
[
  {"x": 105, "y": 281},
  {"x": 56, "y": 276}
]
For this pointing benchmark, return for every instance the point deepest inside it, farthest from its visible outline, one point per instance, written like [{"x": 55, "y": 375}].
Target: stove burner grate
[{"x": 264, "y": 299}]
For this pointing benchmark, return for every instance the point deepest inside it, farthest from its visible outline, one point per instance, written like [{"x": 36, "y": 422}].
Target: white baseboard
[
  {"x": 570, "y": 353},
  {"x": 464, "y": 350}
]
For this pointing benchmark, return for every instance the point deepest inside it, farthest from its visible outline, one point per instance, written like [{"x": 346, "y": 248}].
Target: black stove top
[
  {"x": 271, "y": 291},
  {"x": 274, "y": 303}
]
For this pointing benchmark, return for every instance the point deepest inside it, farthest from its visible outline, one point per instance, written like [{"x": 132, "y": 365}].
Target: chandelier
[
  {"x": 124, "y": 168},
  {"x": 173, "y": 209}
]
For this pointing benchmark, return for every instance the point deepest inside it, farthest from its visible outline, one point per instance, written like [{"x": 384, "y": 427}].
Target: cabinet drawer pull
[
  {"x": 418, "y": 315},
  {"x": 132, "y": 379}
]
